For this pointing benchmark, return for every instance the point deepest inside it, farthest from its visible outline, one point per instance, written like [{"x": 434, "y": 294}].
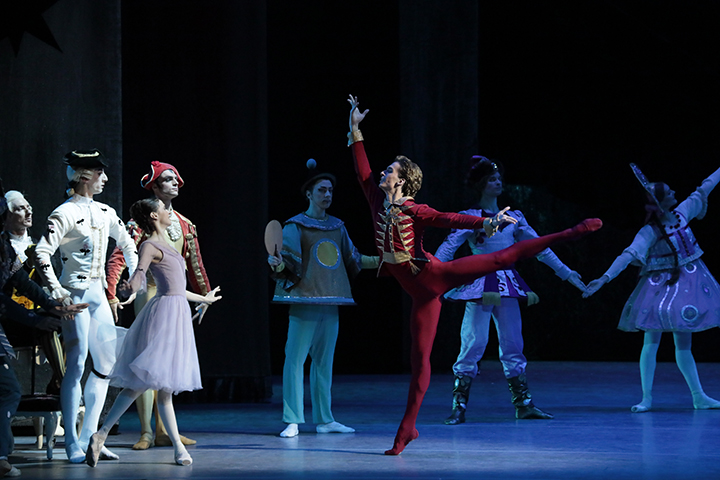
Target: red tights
[{"x": 434, "y": 280}]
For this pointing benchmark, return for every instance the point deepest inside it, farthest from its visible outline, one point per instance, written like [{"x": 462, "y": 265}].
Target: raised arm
[
  {"x": 636, "y": 252},
  {"x": 710, "y": 182}
]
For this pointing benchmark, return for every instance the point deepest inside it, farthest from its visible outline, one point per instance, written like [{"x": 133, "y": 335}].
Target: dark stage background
[{"x": 239, "y": 94}]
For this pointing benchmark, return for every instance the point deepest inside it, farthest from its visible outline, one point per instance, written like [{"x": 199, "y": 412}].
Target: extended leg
[
  {"x": 686, "y": 363},
  {"x": 648, "y": 361},
  {"x": 463, "y": 270},
  {"x": 97, "y": 440}
]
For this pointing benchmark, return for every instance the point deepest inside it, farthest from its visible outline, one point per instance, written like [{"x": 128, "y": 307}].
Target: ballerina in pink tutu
[{"x": 158, "y": 352}]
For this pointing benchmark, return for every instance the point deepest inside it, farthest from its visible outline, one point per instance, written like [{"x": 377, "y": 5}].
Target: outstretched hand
[
  {"x": 68, "y": 312},
  {"x": 202, "y": 308},
  {"x": 594, "y": 286},
  {"x": 575, "y": 281},
  {"x": 501, "y": 218},
  {"x": 355, "y": 116}
]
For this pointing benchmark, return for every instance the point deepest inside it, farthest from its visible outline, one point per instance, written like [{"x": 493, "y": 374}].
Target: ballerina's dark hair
[
  {"x": 140, "y": 212},
  {"x": 655, "y": 196}
]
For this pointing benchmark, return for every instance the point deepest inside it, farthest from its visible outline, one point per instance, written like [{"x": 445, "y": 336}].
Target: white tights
[
  {"x": 685, "y": 362},
  {"x": 165, "y": 408}
]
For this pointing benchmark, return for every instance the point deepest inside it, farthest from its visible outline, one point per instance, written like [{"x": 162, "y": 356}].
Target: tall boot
[
  {"x": 461, "y": 394},
  {"x": 524, "y": 408}
]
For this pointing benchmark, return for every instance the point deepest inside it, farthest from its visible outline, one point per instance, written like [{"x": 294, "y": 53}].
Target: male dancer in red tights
[{"x": 400, "y": 223}]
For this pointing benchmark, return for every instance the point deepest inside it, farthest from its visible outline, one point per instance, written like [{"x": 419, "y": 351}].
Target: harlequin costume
[
  {"x": 497, "y": 295},
  {"x": 398, "y": 235}
]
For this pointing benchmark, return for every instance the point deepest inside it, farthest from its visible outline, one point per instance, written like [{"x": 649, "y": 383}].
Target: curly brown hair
[{"x": 411, "y": 173}]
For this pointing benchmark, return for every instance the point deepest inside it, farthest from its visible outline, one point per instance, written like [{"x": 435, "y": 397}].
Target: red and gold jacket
[
  {"x": 190, "y": 251},
  {"x": 399, "y": 227}
]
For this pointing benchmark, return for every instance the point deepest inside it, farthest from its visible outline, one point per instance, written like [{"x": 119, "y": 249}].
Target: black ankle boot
[
  {"x": 461, "y": 394},
  {"x": 524, "y": 408}
]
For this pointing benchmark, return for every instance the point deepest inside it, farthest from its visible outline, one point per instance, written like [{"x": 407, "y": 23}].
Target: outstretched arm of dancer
[
  {"x": 710, "y": 182},
  {"x": 635, "y": 253}
]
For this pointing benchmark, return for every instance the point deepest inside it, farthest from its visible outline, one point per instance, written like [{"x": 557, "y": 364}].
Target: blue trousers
[{"x": 313, "y": 331}]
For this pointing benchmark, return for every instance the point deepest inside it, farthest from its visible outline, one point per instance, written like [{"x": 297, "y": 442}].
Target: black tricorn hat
[
  {"x": 85, "y": 159},
  {"x": 314, "y": 176}
]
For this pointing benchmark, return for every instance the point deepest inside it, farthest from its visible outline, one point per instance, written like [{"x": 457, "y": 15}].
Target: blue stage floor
[{"x": 593, "y": 436}]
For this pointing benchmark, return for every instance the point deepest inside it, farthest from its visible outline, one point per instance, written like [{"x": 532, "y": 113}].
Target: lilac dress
[
  {"x": 691, "y": 304},
  {"x": 159, "y": 351}
]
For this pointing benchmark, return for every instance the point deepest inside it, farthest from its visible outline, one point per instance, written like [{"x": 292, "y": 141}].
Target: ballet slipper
[
  {"x": 145, "y": 442},
  {"x": 290, "y": 431},
  {"x": 334, "y": 427},
  {"x": 7, "y": 470},
  {"x": 643, "y": 406},
  {"x": 182, "y": 457},
  {"x": 106, "y": 454},
  {"x": 163, "y": 440},
  {"x": 74, "y": 453},
  {"x": 401, "y": 443},
  {"x": 703, "y": 402},
  {"x": 95, "y": 446}
]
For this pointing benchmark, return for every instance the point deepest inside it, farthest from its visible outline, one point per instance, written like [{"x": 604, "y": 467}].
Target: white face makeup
[
  {"x": 97, "y": 183},
  {"x": 19, "y": 216},
  {"x": 321, "y": 195},
  {"x": 167, "y": 186}
]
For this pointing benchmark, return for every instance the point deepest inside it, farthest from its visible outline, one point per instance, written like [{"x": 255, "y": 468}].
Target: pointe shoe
[
  {"x": 163, "y": 440},
  {"x": 703, "y": 402},
  {"x": 74, "y": 453},
  {"x": 334, "y": 427},
  {"x": 588, "y": 225},
  {"x": 146, "y": 441},
  {"x": 7, "y": 470},
  {"x": 94, "y": 449},
  {"x": 640, "y": 408},
  {"x": 183, "y": 458},
  {"x": 401, "y": 443},
  {"x": 290, "y": 431}
]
